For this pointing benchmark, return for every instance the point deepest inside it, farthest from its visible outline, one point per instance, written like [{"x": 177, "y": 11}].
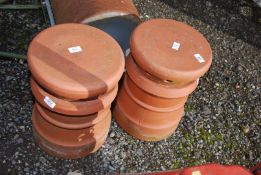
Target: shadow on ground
[{"x": 224, "y": 16}]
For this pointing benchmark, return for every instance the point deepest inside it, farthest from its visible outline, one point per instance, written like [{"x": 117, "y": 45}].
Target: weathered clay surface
[
  {"x": 84, "y": 11},
  {"x": 66, "y": 143},
  {"x": 118, "y": 18},
  {"x": 73, "y": 108},
  {"x": 166, "y": 60},
  {"x": 142, "y": 132},
  {"x": 75, "y": 72},
  {"x": 166, "y": 49},
  {"x": 151, "y": 101},
  {"x": 155, "y": 86},
  {"x": 75, "y": 61},
  {"x": 143, "y": 122},
  {"x": 72, "y": 122},
  {"x": 222, "y": 122}
]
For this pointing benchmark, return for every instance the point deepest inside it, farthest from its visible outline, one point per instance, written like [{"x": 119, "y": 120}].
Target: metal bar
[
  {"x": 50, "y": 13},
  {"x": 20, "y": 7},
  {"x": 13, "y": 55},
  {"x": 43, "y": 11},
  {"x": 258, "y": 2},
  {"x": 2, "y": 1}
]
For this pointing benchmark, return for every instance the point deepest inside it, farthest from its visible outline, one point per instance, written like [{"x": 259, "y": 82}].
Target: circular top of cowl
[
  {"x": 75, "y": 61},
  {"x": 171, "y": 50}
]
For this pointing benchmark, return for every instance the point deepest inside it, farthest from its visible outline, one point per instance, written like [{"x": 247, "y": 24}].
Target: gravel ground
[{"x": 222, "y": 122}]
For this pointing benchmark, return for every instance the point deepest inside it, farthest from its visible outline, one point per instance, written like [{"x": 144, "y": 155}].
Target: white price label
[
  {"x": 176, "y": 46},
  {"x": 196, "y": 173},
  {"x": 75, "y": 49},
  {"x": 197, "y": 81},
  {"x": 199, "y": 58},
  {"x": 127, "y": 52},
  {"x": 49, "y": 102}
]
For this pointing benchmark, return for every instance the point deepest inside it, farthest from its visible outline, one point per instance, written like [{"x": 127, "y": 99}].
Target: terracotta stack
[
  {"x": 166, "y": 61},
  {"x": 118, "y": 18},
  {"x": 75, "y": 73}
]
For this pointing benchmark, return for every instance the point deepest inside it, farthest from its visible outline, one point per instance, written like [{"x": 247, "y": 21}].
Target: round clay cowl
[
  {"x": 165, "y": 62},
  {"x": 75, "y": 61},
  {"x": 171, "y": 50}
]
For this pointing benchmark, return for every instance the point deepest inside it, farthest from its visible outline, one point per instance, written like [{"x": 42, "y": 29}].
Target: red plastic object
[
  {"x": 209, "y": 169},
  {"x": 257, "y": 169},
  {"x": 216, "y": 169}
]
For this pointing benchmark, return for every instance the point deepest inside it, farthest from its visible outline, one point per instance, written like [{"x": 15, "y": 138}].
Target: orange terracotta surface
[
  {"x": 146, "y": 117},
  {"x": 141, "y": 132},
  {"x": 157, "y": 87},
  {"x": 151, "y": 47},
  {"x": 69, "y": 122},
  {"x": 80, "y": 11},
  {"x": 68, "y": 144},
  {"x": 150, "y": 101},
  {"x": 118, "y": 18},
  {"x": 143, "y": 123},
  {"x": 93, "y": 69},
  {"x": 77, "y": 108}
]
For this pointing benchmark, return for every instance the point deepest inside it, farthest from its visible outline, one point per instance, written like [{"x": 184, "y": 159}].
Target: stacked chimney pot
[
  {"x": 166, "y": 61},
  {"x": 75, "y": 72}
]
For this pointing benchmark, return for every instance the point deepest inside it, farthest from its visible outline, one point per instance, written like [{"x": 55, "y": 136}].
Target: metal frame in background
[
  {"x": 258, "y": 2},
  {"x": 36, "y": 4},
  {"x": 14, "y": 6},
  {"x": 44, "y": 4}
]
